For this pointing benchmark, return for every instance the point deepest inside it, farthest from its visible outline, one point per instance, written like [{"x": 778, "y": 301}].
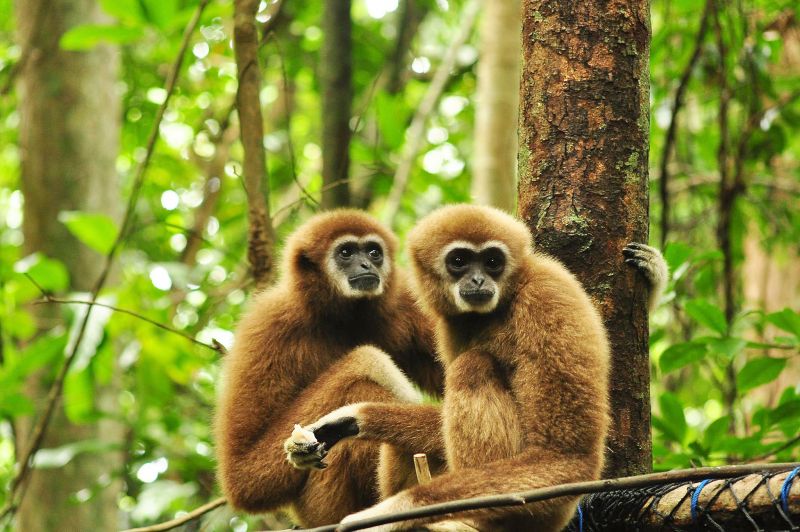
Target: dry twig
[{"x": 182, "y": 520}]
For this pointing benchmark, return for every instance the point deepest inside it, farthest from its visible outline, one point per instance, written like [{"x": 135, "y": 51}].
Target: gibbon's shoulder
[
  {"x": 550, "y": 287},
  {"x": 273, "y": 308}
]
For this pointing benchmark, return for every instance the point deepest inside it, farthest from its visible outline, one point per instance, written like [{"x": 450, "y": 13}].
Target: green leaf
[
  {"x": 788, "y": 411},
  {"x": 716, "y": 432},
  {"x": 159, "y": 12},
  {"x": 786, "y": 320},
  {"x": 672, "y": 415},
  {"x": 15, "y": 403},
  {"x": 79, "y": 397},
  {"x": 42, "y": 351},
  {"x": 124, "y": 10},
  {"x": 98, "y": 231},
  {"x": 707, "y": 314},
  {"x": 676, "y": 253},
  {"x": 48, "y": 273},
  {"x": 679, "y": 355},
  {"x": 759, "y": 371},
  {"x": 87, "y": 36},
  {"x": 61, "y": 456},
  {"x": 728, "y": 347},
  {"x": 392, "y": 117}
]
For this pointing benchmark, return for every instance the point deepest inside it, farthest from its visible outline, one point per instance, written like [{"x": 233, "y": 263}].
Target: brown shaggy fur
[
  {"x": 526, "y": 389},
  {"x": 296, "y": 356}
]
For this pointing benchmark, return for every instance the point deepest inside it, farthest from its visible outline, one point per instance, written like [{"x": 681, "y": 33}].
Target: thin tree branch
[
  {"x": 55, "y": 300},
  {"x": 261, "y": 234},
  {"x": 215, "y": 174},
  {"x": 40, "y": 429},
  {"x": 416, "y": 131},
  {"x": 279, "y": 219},
  {"x": 788, "y": 444},
  {"x": 287, "y": 113},
  {"x": 268, "y": 27},
  {"x": 575, "y": 488},
  {"x": 677, "y": 103},
  {"x": 410, "y": 17},
  {"x": 182, "y": 520}
]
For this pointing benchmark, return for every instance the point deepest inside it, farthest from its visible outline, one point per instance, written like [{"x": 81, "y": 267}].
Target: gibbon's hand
[
  {"x": 650, "y": 262},
  {"x": 304, "y": 451},
  {"x": 308, "y": 445}
]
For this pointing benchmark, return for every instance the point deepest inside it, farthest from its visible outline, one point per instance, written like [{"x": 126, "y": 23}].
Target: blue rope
[
  {"x": 787, "y": 485},
  {"x": 696, "y": 496},
  {"x": 580, "y": 518}
]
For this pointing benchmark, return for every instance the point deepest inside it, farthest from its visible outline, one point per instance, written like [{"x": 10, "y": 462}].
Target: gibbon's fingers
[
  {"x": 650, "y": 262},
  {"x": 303, "y": 451}
]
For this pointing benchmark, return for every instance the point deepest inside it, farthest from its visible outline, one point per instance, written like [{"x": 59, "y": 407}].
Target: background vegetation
[{"x": 724, "y": 342}]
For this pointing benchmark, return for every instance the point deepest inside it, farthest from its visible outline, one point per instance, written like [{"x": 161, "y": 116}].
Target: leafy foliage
[{"x": 724, "y": 390}]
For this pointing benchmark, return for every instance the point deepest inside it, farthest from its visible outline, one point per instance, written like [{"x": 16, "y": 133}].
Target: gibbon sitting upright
[
  {"x": 526, "y": 370},
  {"x": 315, "y": 341}
]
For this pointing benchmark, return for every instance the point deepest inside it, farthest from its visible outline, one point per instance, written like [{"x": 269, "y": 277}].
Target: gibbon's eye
[
  {"x": 457, "y": 260},
  {"x": 495, "y": 261},
  {"x": 374, "y": 251},
  {"x": 346, "y": 251}
]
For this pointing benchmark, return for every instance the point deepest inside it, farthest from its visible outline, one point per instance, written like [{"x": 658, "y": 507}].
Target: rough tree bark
[
  {"x": 336, "y": 72},
  {"x": 583, "y": 179},
  {"x": 261, "y": 235},
  {"x": 495, "y": 153},
  {"x": 69, "y": 140}
]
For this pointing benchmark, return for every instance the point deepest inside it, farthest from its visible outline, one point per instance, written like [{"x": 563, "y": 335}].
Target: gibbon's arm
[
  {"x": 650, "y": 262},
  {"x": 409, "y": 427},
  {"x": 258, "y": 387},
  {"x": 529, "y": 470}
]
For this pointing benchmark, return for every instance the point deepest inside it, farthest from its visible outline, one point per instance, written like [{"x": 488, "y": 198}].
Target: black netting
[{"x": 638, "y": 509}]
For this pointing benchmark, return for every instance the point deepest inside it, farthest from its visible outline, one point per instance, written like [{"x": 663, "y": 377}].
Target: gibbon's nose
[
  {"x": 478, "y": 280},
  {"x": 365, "y": 265}
]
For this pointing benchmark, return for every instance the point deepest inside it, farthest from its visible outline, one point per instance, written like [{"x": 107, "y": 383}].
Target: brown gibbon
[
  {"x": 318, "y": 339},
  {"x": 526, "y": 371}
]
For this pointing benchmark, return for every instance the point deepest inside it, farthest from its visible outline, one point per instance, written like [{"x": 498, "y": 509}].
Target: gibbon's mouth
[
  {"x": 365, "y": 282},
  {"x": 476, "y": 297}
]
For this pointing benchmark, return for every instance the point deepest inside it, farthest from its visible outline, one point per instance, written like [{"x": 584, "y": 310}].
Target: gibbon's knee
[{"x": 372, "y": 363}]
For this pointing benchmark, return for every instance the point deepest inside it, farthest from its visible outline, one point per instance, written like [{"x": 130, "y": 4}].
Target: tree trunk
[
  {"x": 261, "y": 235},
  {"x": 336, "y": 72},
  {"x": 69, "y": 140},
  {"x": 495, "y": 152},
  {"x": 583, "y": 180}
]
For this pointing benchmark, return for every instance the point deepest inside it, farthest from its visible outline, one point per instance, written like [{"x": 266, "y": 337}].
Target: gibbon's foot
[
  {"x": 647, "y": 260},
  {"x": 395, "y": 503},
  {"x": 304, "y": 451}
]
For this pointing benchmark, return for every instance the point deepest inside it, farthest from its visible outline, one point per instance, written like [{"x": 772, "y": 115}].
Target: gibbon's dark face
[
  {"x": 475, "y": 272},
  {"x": 357, "y": 266}
]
